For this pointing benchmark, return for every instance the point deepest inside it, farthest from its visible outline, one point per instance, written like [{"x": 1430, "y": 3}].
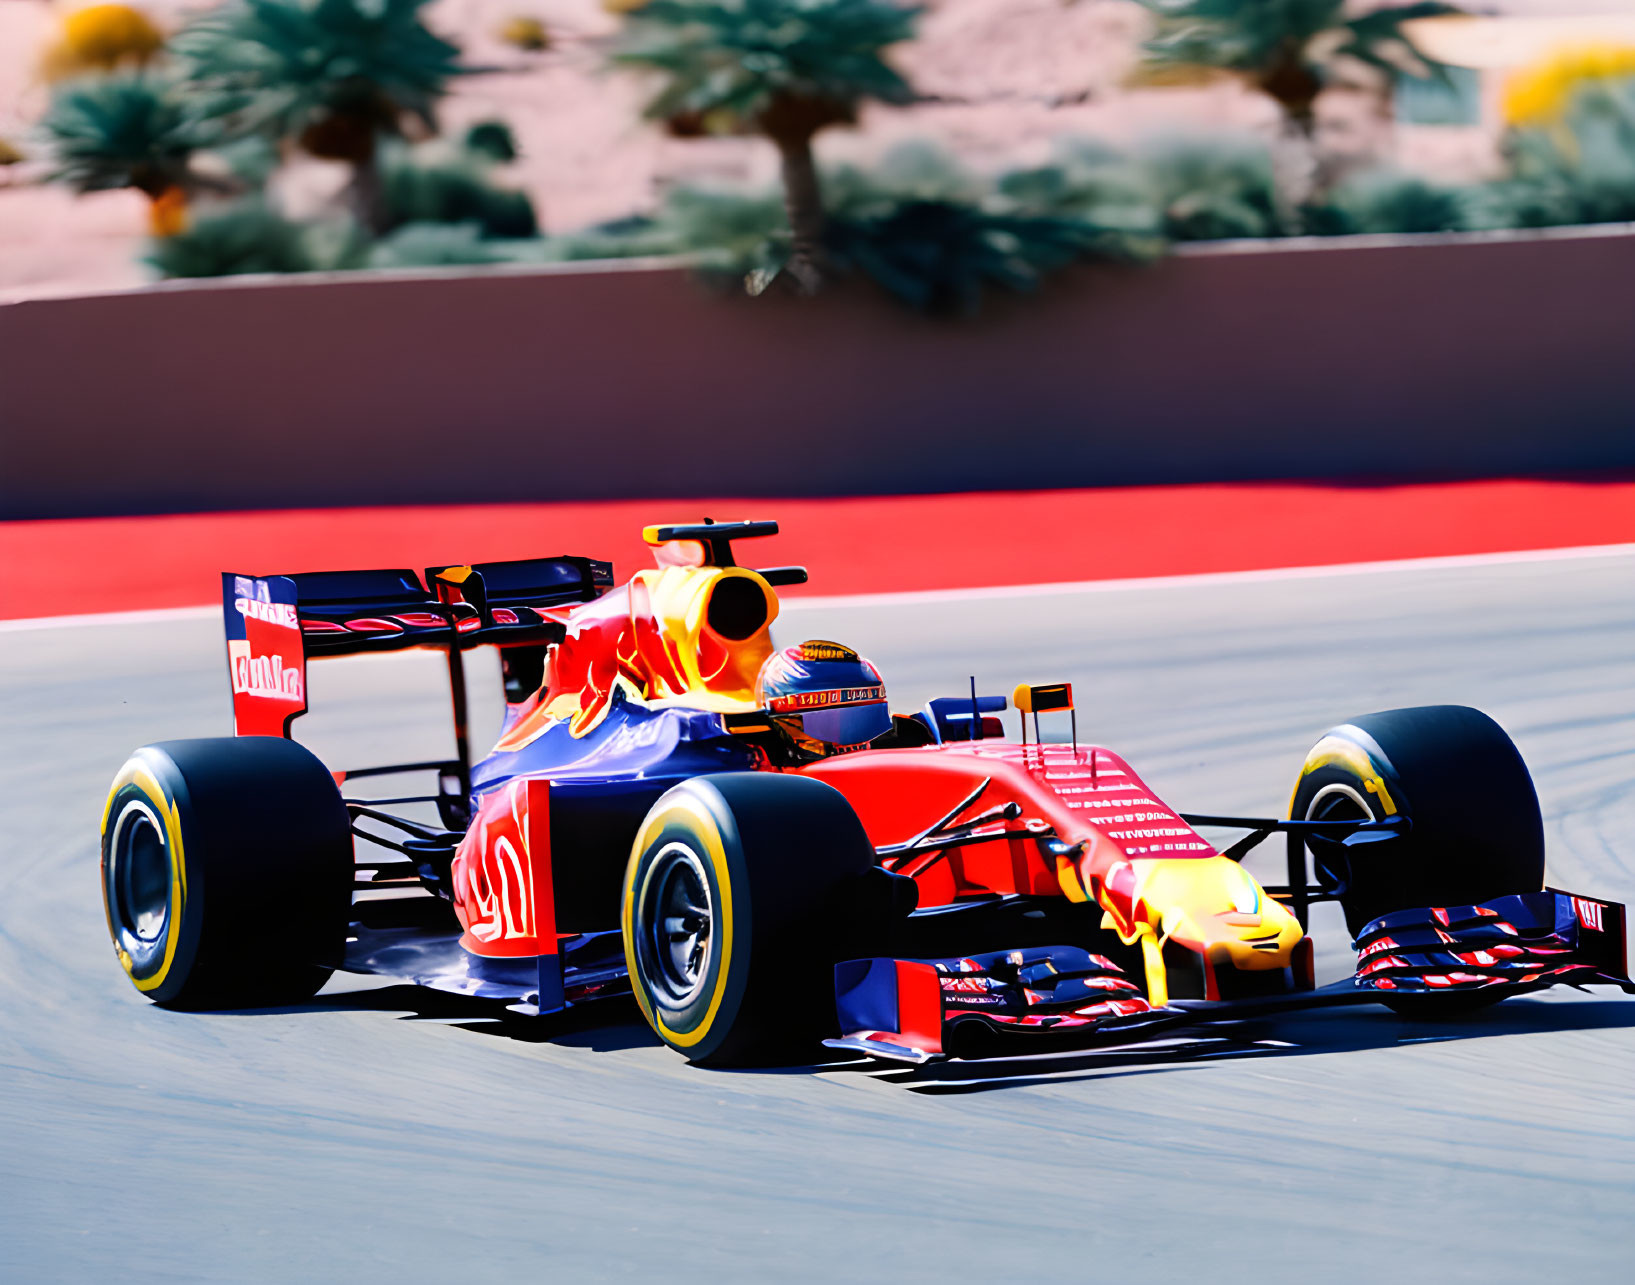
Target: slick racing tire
[
  {"x": 1475, "y": 834},
  {"x": 226, "y": 872},
  {"x": 740, "y": 896}
]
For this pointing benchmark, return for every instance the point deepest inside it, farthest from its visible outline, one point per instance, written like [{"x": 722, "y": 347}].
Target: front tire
[
  {"x": 226, "y": 872},
  {"x": 1476, "y": 831},
  {"x": 742, "y": 892}
]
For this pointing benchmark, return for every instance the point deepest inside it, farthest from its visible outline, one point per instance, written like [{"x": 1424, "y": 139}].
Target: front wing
[
  {"x": 915, "y": 1010},
  {"x": 1057, "y": 998},
  {"x": 1506, "y": 946}
]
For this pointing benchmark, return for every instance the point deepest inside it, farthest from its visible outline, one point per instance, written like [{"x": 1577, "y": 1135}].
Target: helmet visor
[{"x": 847, "y": 724}]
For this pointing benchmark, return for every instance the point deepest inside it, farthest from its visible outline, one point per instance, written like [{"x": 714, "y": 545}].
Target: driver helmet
[{"x": 824, "y": 696}]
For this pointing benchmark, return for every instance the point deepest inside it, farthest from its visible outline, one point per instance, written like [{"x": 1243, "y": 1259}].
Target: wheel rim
[
  {"x": 1335, "y": 803},
  {"x": 676, "y": 943},
  {"x": 139, "y": 883},
  {"x": 1338, "y": 803}
]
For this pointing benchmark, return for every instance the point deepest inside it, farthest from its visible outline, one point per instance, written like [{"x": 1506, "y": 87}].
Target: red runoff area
[{"x": 861, "y": 545}]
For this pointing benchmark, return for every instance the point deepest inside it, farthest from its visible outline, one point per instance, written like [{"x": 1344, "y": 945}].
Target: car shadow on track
[
  {"x": 1296, "y": 1035},
  {"x": 602, "y": 1027},
  {"x": 616, "y": 1024}
]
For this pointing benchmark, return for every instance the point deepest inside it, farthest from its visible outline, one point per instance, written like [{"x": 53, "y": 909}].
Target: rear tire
[
  {"x": 226, "y": 872},
  {"x": 742, "y": 893},
  {"x": 1476, "y": 829}
]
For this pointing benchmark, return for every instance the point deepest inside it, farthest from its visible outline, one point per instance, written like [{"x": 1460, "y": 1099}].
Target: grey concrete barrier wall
[{"x": 1350, "y": 359}]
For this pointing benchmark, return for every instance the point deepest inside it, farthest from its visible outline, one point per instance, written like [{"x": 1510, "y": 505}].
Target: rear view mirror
[{"x": 1044, "y": 698}]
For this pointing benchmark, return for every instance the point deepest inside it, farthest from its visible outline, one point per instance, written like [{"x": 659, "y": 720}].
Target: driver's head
[{"x": 824, "y": 696}]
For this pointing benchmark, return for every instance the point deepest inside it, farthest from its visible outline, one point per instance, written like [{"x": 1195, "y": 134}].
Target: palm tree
[
  {"x": 126, "y": 129},
  {"x": 783, "y": 68},
  {"x": 1288, "y": 50},
  {"x": 332, "y": 75}
]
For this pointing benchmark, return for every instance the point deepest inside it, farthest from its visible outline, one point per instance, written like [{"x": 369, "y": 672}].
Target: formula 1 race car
[{"x": 752, "y": 843}]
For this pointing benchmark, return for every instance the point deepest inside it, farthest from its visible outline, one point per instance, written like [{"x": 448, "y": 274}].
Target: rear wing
[{"x": 275, "y": 623}]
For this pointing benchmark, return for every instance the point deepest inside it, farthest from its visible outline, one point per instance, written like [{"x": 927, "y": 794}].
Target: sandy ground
[{"x": 1006, "y": 77}]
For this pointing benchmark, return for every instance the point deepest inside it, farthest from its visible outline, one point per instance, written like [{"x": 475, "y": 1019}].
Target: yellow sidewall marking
[
  {"x": 698, "y": 823},
  {"x": 137, "y": 774},
  {"x": 1332, "y": 751}
]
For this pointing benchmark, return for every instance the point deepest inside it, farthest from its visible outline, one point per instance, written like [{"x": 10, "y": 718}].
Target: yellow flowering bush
[
  {"x": 525, "y": 33},
  {"x": 1541, "y": 94},
  {"x": 101, "y": 38}
]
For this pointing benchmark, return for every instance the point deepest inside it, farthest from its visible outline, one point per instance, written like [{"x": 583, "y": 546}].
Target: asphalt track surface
[{"x": 380, "y": 1133}]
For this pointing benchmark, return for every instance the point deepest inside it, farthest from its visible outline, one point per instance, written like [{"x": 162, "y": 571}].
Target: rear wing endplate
[{"x": 265, "y": 657}]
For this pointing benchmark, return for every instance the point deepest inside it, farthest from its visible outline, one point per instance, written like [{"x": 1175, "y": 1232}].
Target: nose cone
[
  {"x": 1219, "y": 910},
  {"x": 1265, "y": 939}
]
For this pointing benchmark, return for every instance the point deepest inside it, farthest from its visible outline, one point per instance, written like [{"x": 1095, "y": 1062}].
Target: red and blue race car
[{"x": 756, "y": 846}]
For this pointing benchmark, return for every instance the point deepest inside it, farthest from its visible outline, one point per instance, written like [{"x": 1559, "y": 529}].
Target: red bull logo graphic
[
  {"x": 503, "y": 893},
  {"x": 266, "y": 676},
  {"x": 266, "y": 658},
  {"x": 495, "y": 889},
  {"x": 272, "y": 613}
]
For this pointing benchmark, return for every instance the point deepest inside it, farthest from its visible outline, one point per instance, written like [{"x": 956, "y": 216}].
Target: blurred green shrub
[
  {"x": 1289, "y": 50},
  {"x": 247, "y": 236},
  {"x": 937, "y": 237},
  {"x": 1086, "y": 180},
  {"x": 1213, "y": 189},
  {"x": 723, "y": 231},
  {"x": 437, "y": 245},
  {"x": 250, "y": 160},
  {"x": 1579, "y": 170},
  {"x": 492, "y": 139},
  {"x": 1387, "y": 200},
  {"x": 929, "y": 232},
  {"x": 433, "y": 183},
  {"x": 1175, "y": 189},
  {"x": 941, "y": 256},
  {"x": 1221, "y": 188}
]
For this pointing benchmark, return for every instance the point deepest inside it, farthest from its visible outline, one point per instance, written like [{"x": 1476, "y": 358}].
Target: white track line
[
  {"x": 1213, "y": 577},
  {"x": 159, "y": 616},
  {"x": 991, "y": 591}
]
